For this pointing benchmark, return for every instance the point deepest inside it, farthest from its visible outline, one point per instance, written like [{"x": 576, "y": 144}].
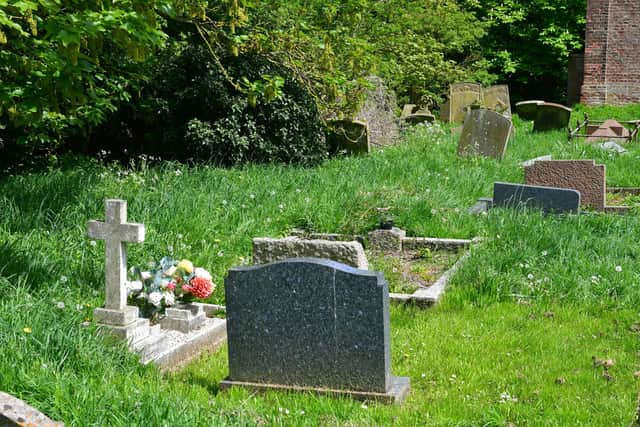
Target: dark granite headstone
[
  {"x": 486, "y": 133},
  {"x": 551, "y": 116},
  {"x": 550, "y": 199},
  {"x": 311, "y": 324},
  {"x": 527, "y": 110}
]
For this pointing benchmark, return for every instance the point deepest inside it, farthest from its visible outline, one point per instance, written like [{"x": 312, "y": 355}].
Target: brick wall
[{"x": 612, "y": 52}]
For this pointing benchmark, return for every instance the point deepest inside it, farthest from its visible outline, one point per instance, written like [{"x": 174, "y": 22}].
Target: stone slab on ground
[
  {"x": 582, "y": 175},
  {"x": 310, "y": 323},
  {"x": 266, "y": 250},
  {"x": 485, "y": 133},
  {"x": 549, "y": 199},
  {"x": 16, "y": 413}
]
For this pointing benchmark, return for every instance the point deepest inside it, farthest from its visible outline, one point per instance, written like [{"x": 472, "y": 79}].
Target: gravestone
[
  {"x": 348, "y": 136},
  {"x": 551, "y": 116},
  {"x": 461, "y": 96},
  {"x": 550, "y": 199},
  {"x": 378, "y": 111},
  {"x": 311, "y": 325},
  {"x": 496, "y": 98},
  {"x": 408, "y": 110},
  {"x": 609, "y": 129},
  {"x": 486, "y": 133},
  {"x": 419, "y": 118},
  {"x": 14, "y": 412},
  {"x": 527, "y": 110},
  {"x": 116, "y": 315},
  {"x": 582, "y": 175},
  {"x": 267, "y": 250}
]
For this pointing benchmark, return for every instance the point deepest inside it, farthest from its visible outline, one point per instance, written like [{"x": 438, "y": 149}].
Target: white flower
[
  {"x": 252, "y": 196},
  {"x": 220, "y": 253},
  {"x": 364, "y": 406},
  {"x": 201, "y": 272},
  {"x": 268, "y": 220},
  {"x": 272, "y": 193},
  {"x": 281, "y": 206},
  {"x": 433, "y": 211},
  {"x": 180, "y": 236},
  {"x": 134, "y": 286},
  {"x": 298, "y": 190},
  {"x": 60, "y": 305},
  {"x": 145, "y": 275},
  {"x": 301, "y": 411},
  {"x": 307, "y": 200},
  {"x": 178, "y": 172},
  {"x": 79, "y": 307},
  {"x": 618, "y": 268},
  {"x": 155, "y": 298},
  {"x": 530, "y": 276},
  {"x": 64, "y": 279},
  {"x": 169, "y": 298},
  {"x": 224, "y": 203},
  {"x": 595, "y": 279},
  {"x": 545, "y": 253},
  {"x": 93, "y": 242}
]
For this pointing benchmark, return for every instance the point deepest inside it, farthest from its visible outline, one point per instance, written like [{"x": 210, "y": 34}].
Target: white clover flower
[
  {"x": 364, "y": 406},
  {"x": 60, "y": 305},
  {"x": 618, "y": 268},
  {"x": 301, "y": 411},
  {"x": 64, "y": 279},
  {"x": 169, "y": 298},
  {"x": 530, "y": 276},
  {"x": 201, "y": 272},
  {"x": 155, "y": 298},
  {"x": 595, "y": 279}
]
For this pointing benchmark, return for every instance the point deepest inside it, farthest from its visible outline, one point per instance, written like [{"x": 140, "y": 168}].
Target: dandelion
[
  {"x": 530, "y": 276},
  {"x": 618, "y": 268},
  {"x": 60, "y": 305},
  {"x": 27, "y": 330},
  {"x": 64, "y": 279}
]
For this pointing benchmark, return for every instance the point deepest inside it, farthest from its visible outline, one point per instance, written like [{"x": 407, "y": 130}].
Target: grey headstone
[
  {"x": 486, "y": 133},
  {"x": 461, "y": 96},
  {"x": 378, "y": 111},
  {"x": 550, "y": 199},
  {"x": 496, "y": 98},
  {"x": 14, "y": 412},
  {"x": 309, "y": 323},
  {"x": 266, "y": 250},
  {"x": 348, "y": 136},
  {"x": 551, "y": 116},
  {"x": 527, "y": 110}
]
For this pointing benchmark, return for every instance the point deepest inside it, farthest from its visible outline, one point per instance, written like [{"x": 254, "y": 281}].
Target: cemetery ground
[{"x": 521, "y": 337}]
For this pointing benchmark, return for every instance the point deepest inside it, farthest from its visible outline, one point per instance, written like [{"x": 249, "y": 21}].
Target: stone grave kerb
[{"x": 116, "y": 233}]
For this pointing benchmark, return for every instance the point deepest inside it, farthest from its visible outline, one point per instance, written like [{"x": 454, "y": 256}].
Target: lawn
[{"x": 513, "y": 341}]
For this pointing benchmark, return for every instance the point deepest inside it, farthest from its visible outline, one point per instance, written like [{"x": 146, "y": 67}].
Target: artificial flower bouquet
[{"x": 167, "y": 283}]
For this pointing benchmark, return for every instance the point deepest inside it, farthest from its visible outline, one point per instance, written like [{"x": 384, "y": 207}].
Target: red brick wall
[{"x": 612, "y": 52}]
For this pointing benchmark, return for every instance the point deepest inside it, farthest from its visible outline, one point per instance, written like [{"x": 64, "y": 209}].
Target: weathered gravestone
[
  {"x": 527, "y": 110},
  {"x": 267, "y": 250},
  {"x": 496, "y": 98},
  {"x": 378, "y": 112},
  {"x": 549, "y": 199},
  {"x": 14, "y": 412},
  {"x": 551, "y": 116},
  {"x": 582, "y": 175},
  {"x": 408, "y": 110},
  {"x": 347, "y": 136},
  {"x": 311, "y": 325},
  {"x": 486, "y": 133},
  {"x": 461, "y": 96}
]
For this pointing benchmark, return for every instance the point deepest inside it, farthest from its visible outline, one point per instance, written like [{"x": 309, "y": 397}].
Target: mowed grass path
[{"x": 487, "y": 356}]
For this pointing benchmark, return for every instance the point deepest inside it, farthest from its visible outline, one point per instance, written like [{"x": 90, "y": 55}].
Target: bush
[{"x": 190, "y": 111}]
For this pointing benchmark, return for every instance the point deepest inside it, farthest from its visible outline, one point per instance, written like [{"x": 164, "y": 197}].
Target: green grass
[{"x": 490, "y": 331}]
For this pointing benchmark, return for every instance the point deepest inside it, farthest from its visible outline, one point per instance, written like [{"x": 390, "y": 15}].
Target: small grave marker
[
  {"x": 311, "y": 325},
  {"x": 486, "y": 133}
]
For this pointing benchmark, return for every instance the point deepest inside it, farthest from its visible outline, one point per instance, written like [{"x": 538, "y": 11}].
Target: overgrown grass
[{"x": 582, "y": 268}]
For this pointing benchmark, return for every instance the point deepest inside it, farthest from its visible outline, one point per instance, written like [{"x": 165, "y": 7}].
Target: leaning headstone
[
  {"x": 116, "y": 316},
  {"x": 485, "y": 133},
  {"x": 527, "y": 110},
  {"x": 311, "y": 325},
  {"x": 496, "y": 98},
  {"x": 378, "y": 111},
  {"x": 549, "y": 199},
  {"x": 551, "y": 116},
  {"x": 16, "y": 413},
  {"x": 347, "y": 136},
  {"x": 266, "y": 250},
  {"x": 461, "y": 96},
  {"x": 582, "y": 175}
]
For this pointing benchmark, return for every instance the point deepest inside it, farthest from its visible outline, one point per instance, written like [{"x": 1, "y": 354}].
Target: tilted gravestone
[
  {"x": 378, "y": 112},
  {"x": 496, "y": 98},
  {"x": 266, "y": 250},
  {"x": 461, "y": 96},
  {"x": 582, "y": 175},
  {"x": 486, "y": 133},
  {"x": 549, "y": 199},
  {"x": 527, "y": 110},
  {"x": 551, "y": 116},
  {"x": 311, "y": 325},
  {"x": 348, "y": 136}
]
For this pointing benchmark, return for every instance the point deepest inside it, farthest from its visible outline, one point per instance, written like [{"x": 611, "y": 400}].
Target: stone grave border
[{"x": 395, "y": 241}]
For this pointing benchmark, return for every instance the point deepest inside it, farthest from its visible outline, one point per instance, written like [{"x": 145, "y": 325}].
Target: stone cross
[{"x": 116, "y": 231}]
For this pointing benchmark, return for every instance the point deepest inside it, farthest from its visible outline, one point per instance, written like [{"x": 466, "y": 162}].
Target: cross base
[
  {"x": 132, "y": 333},
  {"x": 107, "y": 316}
]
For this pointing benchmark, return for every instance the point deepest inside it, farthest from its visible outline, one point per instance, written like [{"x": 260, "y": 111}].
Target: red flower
[
  {"x": 171, "y": 286},
  {"x": 199, "y": 287}
]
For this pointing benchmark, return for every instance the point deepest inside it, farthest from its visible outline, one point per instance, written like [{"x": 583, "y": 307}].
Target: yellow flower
[
  {"x": 27, "y": 330},
  {"x": 186, "y": 266}
]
